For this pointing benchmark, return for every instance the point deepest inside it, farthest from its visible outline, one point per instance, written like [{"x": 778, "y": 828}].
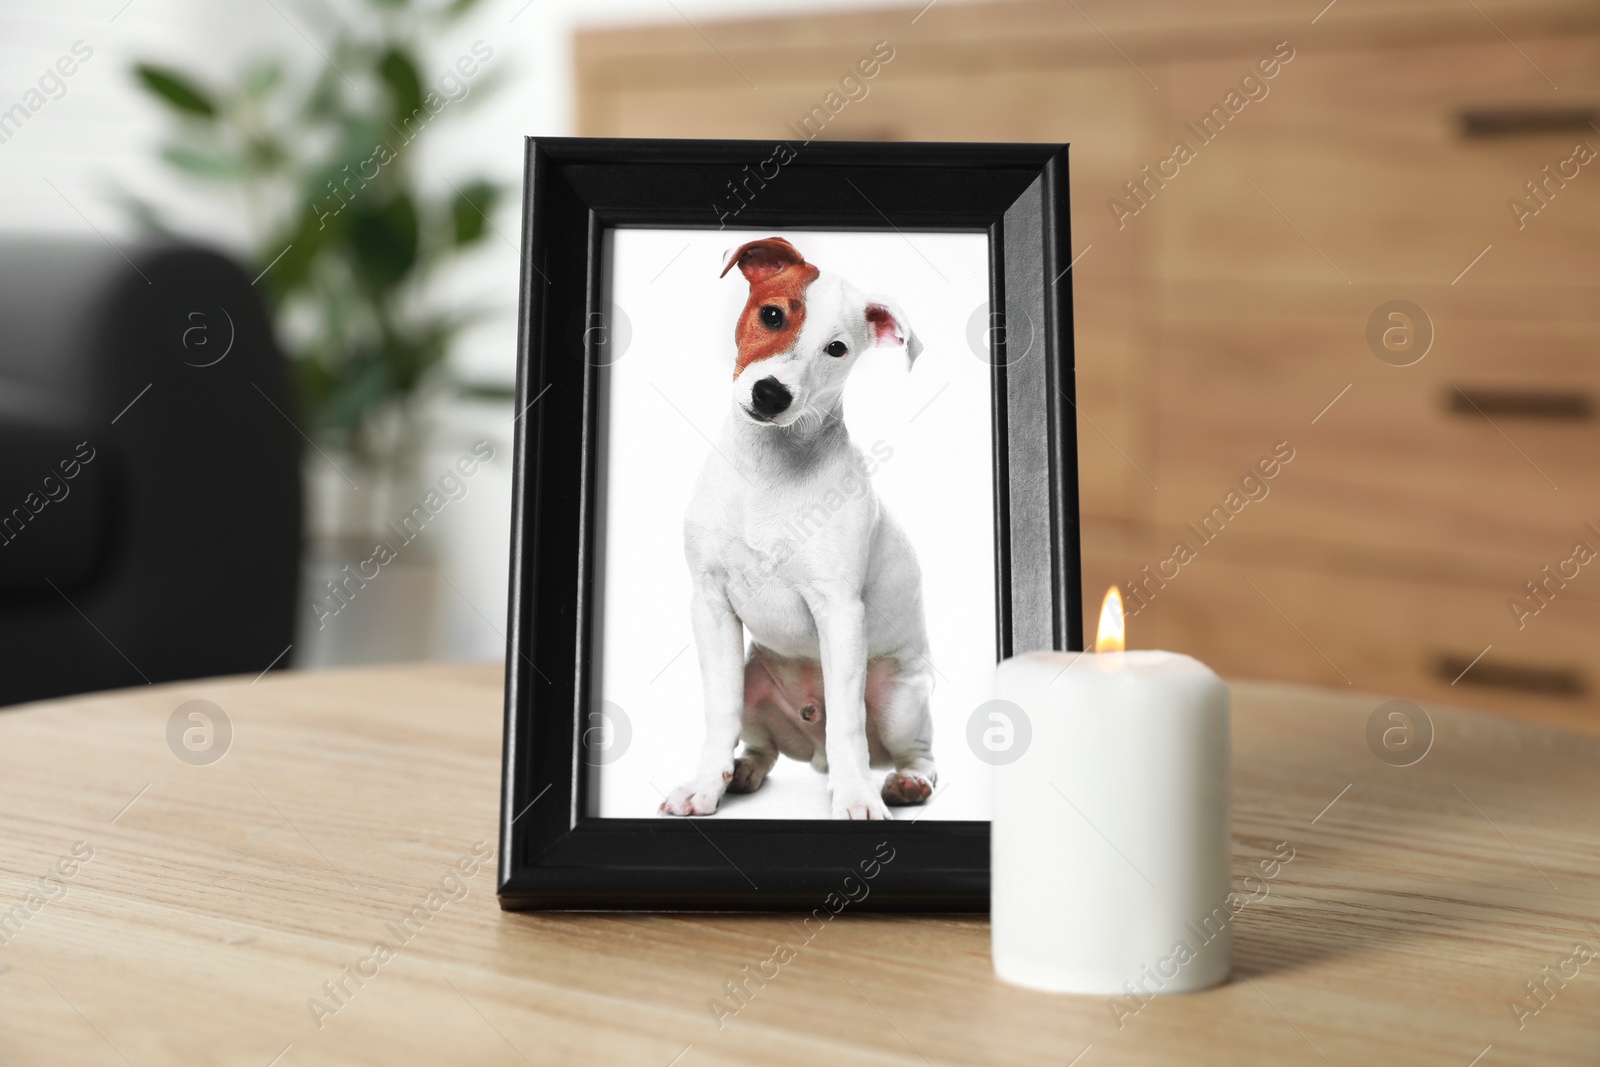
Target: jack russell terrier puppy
[{"x": 837, "y": 673}]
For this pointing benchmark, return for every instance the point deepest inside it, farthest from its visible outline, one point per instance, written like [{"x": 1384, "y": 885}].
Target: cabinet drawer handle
[
  {"x": 1548, "y": 681},
  {"x": 1553, "y": 404},
  {"x": 1526, "y": 121}
]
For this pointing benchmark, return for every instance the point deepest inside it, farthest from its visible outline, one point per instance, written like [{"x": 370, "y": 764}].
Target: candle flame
[{"x": 1110, "y": 638}]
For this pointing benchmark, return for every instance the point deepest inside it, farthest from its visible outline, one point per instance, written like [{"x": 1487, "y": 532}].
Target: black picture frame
[{"x": 552, "y": 854}]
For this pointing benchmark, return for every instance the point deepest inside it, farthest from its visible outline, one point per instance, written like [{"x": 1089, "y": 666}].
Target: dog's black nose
[{"x": 769, "y": 396}]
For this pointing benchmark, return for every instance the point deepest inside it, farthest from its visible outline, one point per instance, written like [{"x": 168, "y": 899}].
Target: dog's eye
[
  {"x": 836, "y": 349},
  {"x": 772, "y": 317}
]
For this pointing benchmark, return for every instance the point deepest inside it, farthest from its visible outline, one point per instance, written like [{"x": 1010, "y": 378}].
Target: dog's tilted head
[{"x": 800, "y": 332}]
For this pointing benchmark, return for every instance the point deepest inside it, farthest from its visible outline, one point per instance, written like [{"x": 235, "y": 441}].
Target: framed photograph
[{"x": 795, "y": 467}]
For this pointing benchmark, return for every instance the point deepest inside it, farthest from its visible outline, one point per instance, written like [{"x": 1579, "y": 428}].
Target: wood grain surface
[
  {"x": 207, "y": 906},
  {"x": 1230, "y": 310}
]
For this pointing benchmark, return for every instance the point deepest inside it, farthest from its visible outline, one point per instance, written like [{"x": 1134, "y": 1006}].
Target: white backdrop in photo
[{"x": 671, "y": 391}]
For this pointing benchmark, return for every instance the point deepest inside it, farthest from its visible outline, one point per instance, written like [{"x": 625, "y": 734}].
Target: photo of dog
[
  {"x": 798, "y": 591},
  {"x": 837, "y": 672}
]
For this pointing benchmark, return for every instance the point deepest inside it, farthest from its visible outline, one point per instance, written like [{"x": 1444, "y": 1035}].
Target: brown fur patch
[{"x": 778, "y": 275}]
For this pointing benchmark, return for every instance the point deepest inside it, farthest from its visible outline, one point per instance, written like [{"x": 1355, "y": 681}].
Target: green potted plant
[{"x": 344, "y": 237}]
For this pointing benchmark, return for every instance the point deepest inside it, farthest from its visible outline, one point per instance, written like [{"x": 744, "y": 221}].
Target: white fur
[{"x": 828, "y": 580}]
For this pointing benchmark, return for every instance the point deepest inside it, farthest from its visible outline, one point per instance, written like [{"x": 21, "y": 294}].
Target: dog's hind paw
[
  {"x": 748, "y": 774},
  {"x": 900, "y": 788},
  {"x": 692, "y": 799}
]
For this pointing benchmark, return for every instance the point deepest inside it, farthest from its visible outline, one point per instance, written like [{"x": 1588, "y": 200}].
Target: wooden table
[{"x": 218, "y": 899}]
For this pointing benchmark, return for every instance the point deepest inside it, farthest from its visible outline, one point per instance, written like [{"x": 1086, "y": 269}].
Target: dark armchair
[{"x": 149, "y": 470}]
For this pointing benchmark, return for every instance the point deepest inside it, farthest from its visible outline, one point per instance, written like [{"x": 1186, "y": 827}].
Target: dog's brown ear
[{"x": 760, "y": 260}]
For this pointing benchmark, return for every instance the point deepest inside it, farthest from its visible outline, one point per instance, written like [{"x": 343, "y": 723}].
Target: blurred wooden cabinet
[{"x": 1228, "y": 295}]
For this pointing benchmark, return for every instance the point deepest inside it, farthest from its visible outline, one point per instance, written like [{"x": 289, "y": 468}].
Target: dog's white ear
[
  {"x": 889, "y": 326},
  {"x": 760, "y": 260}
]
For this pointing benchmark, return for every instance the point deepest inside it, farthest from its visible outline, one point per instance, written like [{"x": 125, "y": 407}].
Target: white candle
[{"x": 1110, "y": 843}]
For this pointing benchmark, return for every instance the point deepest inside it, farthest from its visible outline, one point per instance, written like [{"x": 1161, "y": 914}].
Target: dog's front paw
[
  {"x": 693, "y": 799},
  {"x": 857, "y": 800}
]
